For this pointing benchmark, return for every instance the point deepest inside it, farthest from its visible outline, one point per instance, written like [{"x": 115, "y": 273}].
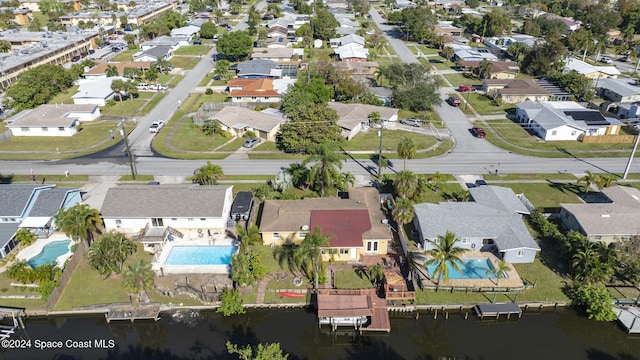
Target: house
[
  {"x": 564, "y": 120},
  {"x": 188, "y": 31},
  {"x": 492, "y": 222},
  {"x": 447, "y": 29},
  {"x": 465, "y": 52},
  {"x": 282, "y": 55},
  {"x": 614, "y": 219},
  {"x": 513, "y": 91},
  {"x": 353, "y": 117},
  {"x": 51, "y": 120},
  {"x": 590, "y": 71},
  {"x": 383, "y": 93},
  {"x": 258, "y": 69},
  {"x": 278, "y": 42},
  {"x": 100, "y": 69},
  {"x": 499, "y": 69},
  {"x": 346, "y": 40},
  {"x": 253, "y": 90},
  {"x": 618, "y": 90},
  {"x": 352, "y": 52},
  {"x": 154, "y": 54},
  {"x": 237, "y": 120},
  {"x": 277, "y": 30},
  {"x": 171, "y": 42},
  {"x": 503, "y": 43},
  {"x": 354, "y": 224},
  {"x": 284, "y": 22},
  {"x": 138, "y": 209},
  {"x": 31, "y": 207},
  {"x": 95, "y": 91}
]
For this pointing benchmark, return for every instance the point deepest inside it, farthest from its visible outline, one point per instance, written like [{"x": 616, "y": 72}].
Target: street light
[
  {"x": 380, "y": 153},
  {"x": 123, "y": 132}
]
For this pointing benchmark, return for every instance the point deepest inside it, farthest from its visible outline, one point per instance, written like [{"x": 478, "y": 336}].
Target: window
[
  {"x": 157, "y": 222},
  {"x": 344, "y": 251},
  {"x": 60, "y": 128},
  {"x": 554, "y": 132},
  {"x": 266, "y": 98},
  {"x": 487, "y": 241},
  {"x": 372, "y": 246},
  {"x": 174, "y": 219},
  {"x": 118, "y": 222},
  {"x": 5, "y": 219},
  {"x": 189, "y": 219},
  {"x": 276, "y": 235},
  {"x": 44, "y": 129},
  {"x": 238, "y": 98},
  {"x": 302, "y": 235},
  {"x": 573, "y": 132},
  {"x": 253, "y": 98},
  {"x": 323, "y": 251},
  {"x": 24, "y": 129},
  {"x": 598, "y": 238},
  {"x": 203, "y": 219},
  {"x": 520, "y": 253},
  {"x": 464, "y": 241}
]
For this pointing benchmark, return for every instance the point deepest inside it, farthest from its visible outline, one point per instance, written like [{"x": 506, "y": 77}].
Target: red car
[
  {"x": 477, "y": 131},
  {"x": 465, "y": 88}
]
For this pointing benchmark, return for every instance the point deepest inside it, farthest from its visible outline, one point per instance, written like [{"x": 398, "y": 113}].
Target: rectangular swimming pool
[
  {"x": 471, "y": 269},
  {"x": 200, "y": 255}
]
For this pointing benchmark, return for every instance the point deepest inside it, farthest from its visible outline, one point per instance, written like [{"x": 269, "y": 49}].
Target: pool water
[
  {"x": 50, "y": 253},
  {"x": 200, "y": 255},
  {"x": 471, "y": 269}
]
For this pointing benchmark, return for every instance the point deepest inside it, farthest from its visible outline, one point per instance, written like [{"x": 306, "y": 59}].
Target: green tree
[
  {"x": 419, "y": 22},
  {"x": 248, "y": 237},
  {"x": 413, "y": 86},
  {"x": 403, "y": 211},
  {"x": 208, "y": 30},
  {"x": 21, "y": 272},
  {"x": 163, "y": 65},
  {"x": 596, "y": 300},
  {"x": 323, "y": 24},
  {"x": 109, "y": 252},
  {"x": 407, "y": 150},
  {"x": 588, "y": 179},
  {"x": 495, "y": 24},
  {"x": 499, "y": 271},
  {"x": 210, "y": 127},
  {"x": 484, "y": 69},
  {"x": 517, "y": 50},
  {"x": 324, "y": 173},
  {"x": 37, "y": 86},
  {"x": 405, "y": 184},
  {"x": 260, "y": 352},
  {"x": 222, "y": 68},
  {"x": 152, "y": 75},
  {"x": 374, "y": 119},
  {"x": 247, "y": 268},
  {"x": 308, "y": 256},
  {"x": 111, "y": 71},
  {"x": 79, "y": 222},
  {"x": 309, "y": 124},
  {"x": 544, "y": 58},
  {"x": 24, "y": 237},
  {"x": 130, "y": 39},
  {"x": 445, "y": 254},
  {"x": 230, "y": 303},
  {"x": 347, "y": 180},
  {"x": 138, "y": 278},
  {"x": 448, "y": 52},
  {"x": 235, "y": 44},
  {"x": 119, "y": 86},
  {"x": 375, "y": 273},
  {"x": 35, "y": 25},
  {"x": 208, "y": 174}
]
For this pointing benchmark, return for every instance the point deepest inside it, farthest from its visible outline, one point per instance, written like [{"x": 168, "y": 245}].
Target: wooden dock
[
  {"x": 498, "y": 309},
  {"x": 347, "y": 304},
  {"x": 143, "y": 312},
  {"x": 629, "y": 318}
]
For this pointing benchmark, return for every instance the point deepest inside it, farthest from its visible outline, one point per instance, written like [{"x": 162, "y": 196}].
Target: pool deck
[
  {"x": 34, "y": 249},
  {"x": 511, "y": 281}
]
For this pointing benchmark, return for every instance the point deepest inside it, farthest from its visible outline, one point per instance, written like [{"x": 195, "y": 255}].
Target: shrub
[{"x": 209, "y": 91}]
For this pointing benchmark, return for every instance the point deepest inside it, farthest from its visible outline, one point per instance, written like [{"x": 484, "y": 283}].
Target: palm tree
[
  {"x": 448, "y": 52},
  {"x": 484, "y": 69},
  {"x": 207, "y": 174},
  {"x": 444, "y": 255},
  {"x": 108, "y": 253},
  {"x": 248, "y": 237},
  {"x": 325, "y": 171},
  {"x": 588, "y": 179},
  {"x": 138, "y": 277},
  {"x": 151, "y": 75},
  {"x": 406, "y": 184},
  {"x": 130, "y": 39},
  {"x": 282, "y": 181},
  {"x": 24, "y": 237},
  {"x": 375, "y": 273},
  {"x": 111, "y": 71},
  {"x": 163, "y": 65},
  {"x": 375, "y": 119},
  {"x": 501, "y": 269},
  {"x": 407, "y": 149},
  {"x": 347, "y": 180},
  {"x": 435, "y": 180},
  {"x": 118, "y": 86},
  {"x": 79, "y": 222},
  {"x": 516, "y": 50},
  {"x": 299, "y": 174},
  {"x": 583, "y": 261},
  {"x": 308, "y": 256},
  {"x": 403, "y": 211},
  {"x": 5, "y": 46}
]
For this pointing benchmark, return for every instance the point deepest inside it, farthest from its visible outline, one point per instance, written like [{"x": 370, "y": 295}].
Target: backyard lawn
[
  {"x": 64, "y": 97},
  {"x": 350, "y": 279}
]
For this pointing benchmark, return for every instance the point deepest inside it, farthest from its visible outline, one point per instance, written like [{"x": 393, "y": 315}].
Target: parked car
[
  {"x": 478, "y": 131},
  {"x": 156, "y": 126},
  {"x": 606, "y": 60},
  {"x": 75, "y": 58},
  {"x": 454, "y": 101},
  {"x": 465, "y": 88},
  {"x": 197, "y": 42},
  {"x": 242, "y": 205},
  {"x": 251, "y": 142},
  {"x": 480, "y": 182},
  {"x": 412, "y": 121}
]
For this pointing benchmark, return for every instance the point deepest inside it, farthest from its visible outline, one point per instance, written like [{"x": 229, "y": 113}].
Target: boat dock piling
[{"x": 151, "y": 312}]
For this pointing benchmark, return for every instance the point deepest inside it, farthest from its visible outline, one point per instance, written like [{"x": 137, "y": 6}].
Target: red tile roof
[
  {"x": 343, "y": 227},
  {"x": 252, "y": 87}
]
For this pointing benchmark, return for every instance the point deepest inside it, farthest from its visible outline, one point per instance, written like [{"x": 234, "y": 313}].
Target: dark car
[
  {"x": 478, "y": 131},
  {"x": 242, "y": 204},
  {"x": 454, "y": 101},
  {"x": 75, "y": 58},
  {"x": 481, "y": 183}
]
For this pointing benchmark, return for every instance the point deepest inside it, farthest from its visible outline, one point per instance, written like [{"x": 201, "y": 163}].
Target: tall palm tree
[
  {"x": 119, "y": 87},
  {"x": 208, "y": 174},
  {"x": 407, "y": 149},
  {"x": 484, "y": 69},
  {"x": 163, "y": 65},
  {"x": 501, "y": 269},
  {"x": 299, "y": 174},
  {"x": 448, "y": 53},
  {"x": 308, "y": 255},
  {"x": 374, "y": 119},
  {"x": 79, "y": 222},
  {"x": 406, "y": 183},
  {"x": 109, "y": 252},
  {"x": 5, "y": 46},
  {"x": 347, "y": 180},
  {"x": 111, "y": 71},
  {"x": 588, "y": 179},
  {"x": 403, "y": 211},
  {"x": 445, "y": 254},
  {"x": 248, "y": 237},
  {"x": 138, "y": 277},
  {"x": 325, "y": 172}
]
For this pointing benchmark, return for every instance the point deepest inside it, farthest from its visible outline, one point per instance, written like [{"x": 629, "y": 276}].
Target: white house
[
  {"x": 95, "y": 91},
  {"x": 170, "y": 41},
  {"x": 348, "y": 39},
  {"x": 465, "y": 52},
  {"x": 564, "y": 120},
  {"x": 354, "y": 117},
  {"x": 51, "y": 120},
  {"x": 188, "y": 31},
  {"x": 137, "y": 209},
  {"x": 590, "y": 71},
  {"x": 154, "y": 54}
]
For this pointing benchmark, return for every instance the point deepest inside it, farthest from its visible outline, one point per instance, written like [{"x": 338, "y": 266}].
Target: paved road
[{"x": 401, "y": 49}]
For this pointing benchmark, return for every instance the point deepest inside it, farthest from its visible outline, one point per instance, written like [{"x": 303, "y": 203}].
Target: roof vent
[
  {"x": 605, "y": 215},
  {"x": 304, "y": 228}
]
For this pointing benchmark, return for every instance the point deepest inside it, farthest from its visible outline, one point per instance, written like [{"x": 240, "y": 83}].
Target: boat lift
[{"x": 6, "y": 331}]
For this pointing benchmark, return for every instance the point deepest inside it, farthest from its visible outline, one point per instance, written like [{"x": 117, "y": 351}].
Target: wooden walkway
[
  {"x": 143, "y": 312},
  {"x": 377, "y": 307},
  {"x": 629, "y": 318}
]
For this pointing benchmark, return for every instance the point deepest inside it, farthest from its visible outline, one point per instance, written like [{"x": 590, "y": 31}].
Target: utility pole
[
  {"x": 635, "y": 146},
  {"x": 123, "y": 132},
  {"x": 380, "y": 154}
]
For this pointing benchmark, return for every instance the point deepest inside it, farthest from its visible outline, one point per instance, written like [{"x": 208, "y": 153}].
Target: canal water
[{"x": 547, "y": 336}]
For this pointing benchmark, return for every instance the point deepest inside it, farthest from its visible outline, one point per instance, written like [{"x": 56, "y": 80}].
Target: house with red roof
[
  {"x": 355, "y": 224},
  {"x": 253, "y": 90}
]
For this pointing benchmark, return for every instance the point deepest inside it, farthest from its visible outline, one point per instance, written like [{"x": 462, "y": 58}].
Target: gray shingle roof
[
  {"x": 158, "y": 51},
  {"x": 49, "y": 201},
  {"x": 165, "y": 201},
  {"x": 6, "y": 232},
  {"x": 14, "y": 198},
  {"x": 262, "y": 67},
  {"x": 498, "y": 197},
  {"x": 622, "y": 87}
]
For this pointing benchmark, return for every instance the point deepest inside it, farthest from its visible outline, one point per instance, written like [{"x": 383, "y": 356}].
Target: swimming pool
[
  {"x": 471, "y": 269},
  {"x": 50, "y": 253},
  {"x": 200, "y": 255}
]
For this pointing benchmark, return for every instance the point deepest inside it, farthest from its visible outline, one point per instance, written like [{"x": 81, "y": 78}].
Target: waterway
[{"x": 548, "y": 336}]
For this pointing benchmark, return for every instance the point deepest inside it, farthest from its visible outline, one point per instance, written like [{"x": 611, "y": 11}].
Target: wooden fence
[
  {"x": 608, "y": 139},
  {"x": 66, "y": 275}
]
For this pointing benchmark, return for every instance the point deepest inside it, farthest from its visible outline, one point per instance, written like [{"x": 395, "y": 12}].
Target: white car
[
  {"x": 606, "y": 60},
  {"x": 156, "y": 126}
]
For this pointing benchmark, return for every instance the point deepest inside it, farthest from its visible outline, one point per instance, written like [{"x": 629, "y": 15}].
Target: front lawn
[
  {"x": 189, "y": 137},
  {"x": 349, "y": 279},
  {"x": 552, "y": 176},
  {"x": 459, "y": 79},
  {"x": 390, "y": 138},
  {"x": 64, "y": 97},
  {"x": 184, "y": 62},
  {"x": 193, "y": 50},
  {"x": 127, "y": 107},
  {"x": 547, "y": 195},
  {"x": 485, "y": 106}
]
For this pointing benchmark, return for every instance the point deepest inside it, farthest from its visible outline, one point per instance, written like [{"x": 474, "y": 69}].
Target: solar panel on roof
[{"x": 589, "y": 117}]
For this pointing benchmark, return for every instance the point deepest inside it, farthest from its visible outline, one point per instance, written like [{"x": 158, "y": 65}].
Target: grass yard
[
  {"x": 64, "y": 97},
  {"x": 93, "y": 137},
  {"x": 126, "y": 107},
  {"x": 349, "y": 279},
  {"x": 440, "y": 63},
  {"x": 138, "y": 178},
  {"x": 126, "y": 55},
  {"x": 459, "y": 79},
  {"x": 233, "y": 145},
  {"x": 485, "y": 106},
  {"x": 390, "y": 139},
  {"x": 205, "y": 81},
  {"x": 548, "y": 195},
  {"x": 152, "y": 103},
  {"x": 189, "y": 137},
  {"x": 440, "y": 195},
  {"x": 7, "y": 290},
  {"x": 184, "y": 62},
  {"x": 271, "y": 297},
  {"x": 193, "y": 50}
]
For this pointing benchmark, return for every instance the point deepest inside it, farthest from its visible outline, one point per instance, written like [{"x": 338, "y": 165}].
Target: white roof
[
  {"x": 352, "y": 50},
  {"x": 584, "y": 68},
  {"x": 35, "y": 222},
  {"x": 188, "y": 30},
  {"x": 96, "y": 88}
]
